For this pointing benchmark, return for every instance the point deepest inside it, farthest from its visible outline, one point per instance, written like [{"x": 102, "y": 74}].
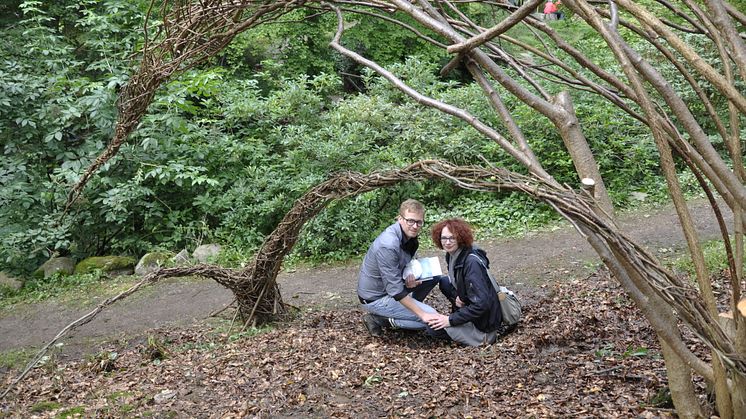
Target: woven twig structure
[{"x": 259, "y": 299}]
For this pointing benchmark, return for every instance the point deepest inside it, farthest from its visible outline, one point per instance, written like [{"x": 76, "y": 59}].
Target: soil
[{"x": 528, "y": 265}]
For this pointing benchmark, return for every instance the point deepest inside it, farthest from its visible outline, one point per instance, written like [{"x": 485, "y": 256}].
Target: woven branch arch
[
  {"x": 186, "y": 33},
  {"x": 259, "y": 299}
]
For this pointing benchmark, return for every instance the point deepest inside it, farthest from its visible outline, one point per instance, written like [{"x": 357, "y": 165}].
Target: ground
[{"x": 324, "y": 364}]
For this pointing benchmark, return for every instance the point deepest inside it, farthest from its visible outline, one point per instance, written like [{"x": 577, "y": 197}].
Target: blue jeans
[{"x": 401, "y": 316}]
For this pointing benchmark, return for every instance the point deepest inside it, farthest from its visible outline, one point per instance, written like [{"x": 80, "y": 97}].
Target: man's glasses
[
  {"x": 413, "y": 222},
  {"x": 446, "y": 239}
]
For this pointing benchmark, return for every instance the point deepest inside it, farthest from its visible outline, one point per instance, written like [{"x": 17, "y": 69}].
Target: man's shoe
[{"x": 374, "y": 328}]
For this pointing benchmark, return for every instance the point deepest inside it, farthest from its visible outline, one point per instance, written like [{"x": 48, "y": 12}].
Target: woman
[{"x": 475, "y": 317}]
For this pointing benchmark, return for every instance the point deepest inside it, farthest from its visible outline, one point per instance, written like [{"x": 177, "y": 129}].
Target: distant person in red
[
  {"x": 558, "y": 13},
  {"x": 549, "y": 10}
]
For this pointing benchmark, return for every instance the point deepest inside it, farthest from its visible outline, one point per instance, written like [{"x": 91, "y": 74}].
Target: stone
[
  {"x": 164, "y": 396},
  {"x": 63, "y": 265},
  {"x": 182, "y": 258},
  {"x": 206, "y": 252},
  {"x": 152, "y": 261},
  {"x": 111, "y": 265},
  {"x": 640, "y": 196},
  {"x": 8, "y": 281}
]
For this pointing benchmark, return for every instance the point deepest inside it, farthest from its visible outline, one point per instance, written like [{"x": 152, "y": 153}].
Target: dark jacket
[{"x": 473, "y": 286}]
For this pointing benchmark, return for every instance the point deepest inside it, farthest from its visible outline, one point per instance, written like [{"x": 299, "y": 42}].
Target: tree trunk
[
  {"x": 581, "y": 153},
  {"x": 680, "y": 383}
]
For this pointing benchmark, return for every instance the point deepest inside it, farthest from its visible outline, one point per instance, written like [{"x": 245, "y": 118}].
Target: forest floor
[{"x": 582, "y": 348}]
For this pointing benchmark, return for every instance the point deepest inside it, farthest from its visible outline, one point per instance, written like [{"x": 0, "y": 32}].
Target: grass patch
[
  {"x": 75, "y": 290},
  {"x": 75, "y": 412},
  {"x": 45, "y": 406},
  {"x": 249, "y": 332},
  {"x": 715, "y": 258},
  {"x": 40, "y": 289},
  {"x": 16, "y": 359}
]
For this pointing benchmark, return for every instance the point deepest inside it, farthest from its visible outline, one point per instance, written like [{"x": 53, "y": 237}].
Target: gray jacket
[{"x": 381, "y": 271}]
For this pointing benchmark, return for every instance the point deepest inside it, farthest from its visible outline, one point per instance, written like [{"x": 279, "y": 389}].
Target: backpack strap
[{"x": 494, "y": 283}]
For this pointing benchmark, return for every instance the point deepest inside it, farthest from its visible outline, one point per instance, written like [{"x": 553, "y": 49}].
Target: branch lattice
[{"x": 259, "y": 299}]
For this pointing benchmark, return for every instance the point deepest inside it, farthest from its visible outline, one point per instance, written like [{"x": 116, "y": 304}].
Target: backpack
[{"x": 509, "y": 304}]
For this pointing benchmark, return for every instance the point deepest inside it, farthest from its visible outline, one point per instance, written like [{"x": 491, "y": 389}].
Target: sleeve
[
  {"x": 388, "y": 264},
  {"x": 475, "y": 281}
]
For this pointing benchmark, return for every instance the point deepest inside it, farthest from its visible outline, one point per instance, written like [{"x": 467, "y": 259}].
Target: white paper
[{"x": 423, "y": 268}]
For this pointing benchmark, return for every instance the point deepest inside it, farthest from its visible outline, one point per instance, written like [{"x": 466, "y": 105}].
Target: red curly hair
[{"x": 460, "y": 229}]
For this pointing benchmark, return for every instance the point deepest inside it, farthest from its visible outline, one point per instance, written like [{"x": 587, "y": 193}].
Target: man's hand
[
  {"x": 459, "y": 303},
  {"x": 428, "y": 317},
  {"x": 438, "y": 321},
  {"x": 411, "y": 281}
]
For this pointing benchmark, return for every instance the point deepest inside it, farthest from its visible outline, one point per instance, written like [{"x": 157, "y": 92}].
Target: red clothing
[{"x": 550, "y": 8}]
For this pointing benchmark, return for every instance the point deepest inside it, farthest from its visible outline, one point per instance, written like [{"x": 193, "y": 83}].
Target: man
[{"x": 390, "y": 300}]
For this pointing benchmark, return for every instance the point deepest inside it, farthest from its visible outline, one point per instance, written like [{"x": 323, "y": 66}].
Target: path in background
[{"x": 526, "y": 263}]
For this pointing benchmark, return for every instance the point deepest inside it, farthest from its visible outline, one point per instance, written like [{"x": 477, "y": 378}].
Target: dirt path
[{"x": 526, "y": 263}]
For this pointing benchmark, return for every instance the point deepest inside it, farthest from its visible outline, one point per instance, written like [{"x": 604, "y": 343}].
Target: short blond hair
[{"x": 411, "y": 205}]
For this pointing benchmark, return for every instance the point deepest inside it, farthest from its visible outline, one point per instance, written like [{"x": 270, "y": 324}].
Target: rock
[
  {"x": 182, "y": 258},
  {"x": 640, "y": 196},
  {"x": 63, "y": 265},
  {"x": 164, "y": 396},
  {"x": 10, "y": 282},
  {"x": 152, "y": 261},
  {"x": 112, "y": 265},
  {"x": 206, "y": 252}
]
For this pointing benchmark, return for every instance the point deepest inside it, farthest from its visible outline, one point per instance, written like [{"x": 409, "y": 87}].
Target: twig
[{"x": 216, "y": 312}]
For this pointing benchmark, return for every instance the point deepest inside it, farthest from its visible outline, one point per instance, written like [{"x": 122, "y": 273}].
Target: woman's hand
[
  {"x": 439, "y": 321},
  {"x": 459, "y": 303}
]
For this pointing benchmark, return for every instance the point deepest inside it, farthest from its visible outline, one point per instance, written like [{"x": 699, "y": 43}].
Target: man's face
[{"x": 411, "y": 223}]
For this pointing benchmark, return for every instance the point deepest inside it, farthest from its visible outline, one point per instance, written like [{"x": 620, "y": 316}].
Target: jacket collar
[{"x": 408, "y": 245}]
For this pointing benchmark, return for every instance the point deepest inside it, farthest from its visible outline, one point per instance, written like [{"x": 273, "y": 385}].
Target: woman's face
[{"x": 448, "y": 240}]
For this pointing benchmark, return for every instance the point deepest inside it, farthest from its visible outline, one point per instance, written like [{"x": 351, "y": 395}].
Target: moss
[
  {"x": 45, "y": 406},
  {"x": 105, "y": 264},
  {"x": 157, "y": 258},
  {"x": 75, "y": 412}
]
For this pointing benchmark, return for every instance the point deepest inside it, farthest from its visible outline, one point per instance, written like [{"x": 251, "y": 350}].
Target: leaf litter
[{"x": 582, "y": 350}]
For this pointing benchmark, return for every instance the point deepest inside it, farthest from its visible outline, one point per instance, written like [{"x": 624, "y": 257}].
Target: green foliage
[
  {"x": 606, "y": 351},
  {"x": 226, "y": 148},
  {"x": 156, "y": 349},
  {"x": 508, "y": 215},
  {"x": 301, "y": 47},
  {"x": 56, "y": 113},
  {"x": 635, "y": 351},
  {"x": 373, "y": 380}
]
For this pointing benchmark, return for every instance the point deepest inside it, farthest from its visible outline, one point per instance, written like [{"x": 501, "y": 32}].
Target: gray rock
[
  {"x": 63, "y": 265},
  {"x": 152, "y": 261},
  {"x": 206, "y": 252},
  {"x": 182, "y": 258},
  {"x": 10, "y": 282},
  {"x": 164, "y": 396}
]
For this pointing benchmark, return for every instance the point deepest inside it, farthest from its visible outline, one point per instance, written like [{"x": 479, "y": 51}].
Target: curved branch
[
  {"x": 502, "y": 27},
  {"x": 532, "y": 166}
]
